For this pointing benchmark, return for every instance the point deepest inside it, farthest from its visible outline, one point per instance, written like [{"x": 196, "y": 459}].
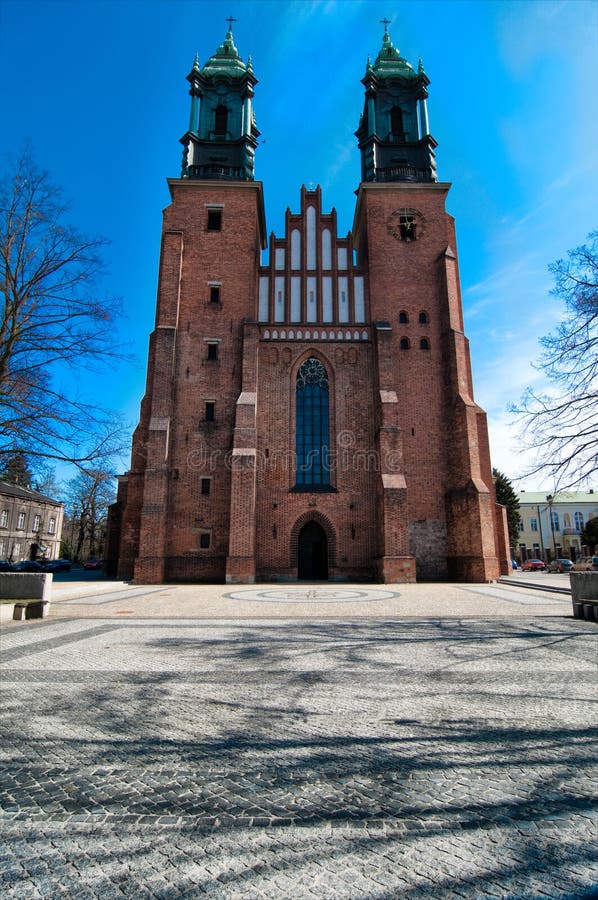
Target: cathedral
[{"x": 312, "y": 416}]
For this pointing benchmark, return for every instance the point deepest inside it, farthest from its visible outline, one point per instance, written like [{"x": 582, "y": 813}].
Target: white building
[{"x": 551, "y": 526}]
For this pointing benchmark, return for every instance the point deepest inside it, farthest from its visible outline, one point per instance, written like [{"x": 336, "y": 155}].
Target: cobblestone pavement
[{"x": 378, "y": 758}]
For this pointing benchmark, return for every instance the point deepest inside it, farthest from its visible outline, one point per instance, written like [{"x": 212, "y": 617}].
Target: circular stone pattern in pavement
[{"x": 312, "y": 594}]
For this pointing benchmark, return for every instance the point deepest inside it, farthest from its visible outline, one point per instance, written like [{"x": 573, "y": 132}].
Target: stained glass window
[{"x": 313, "y": 425}]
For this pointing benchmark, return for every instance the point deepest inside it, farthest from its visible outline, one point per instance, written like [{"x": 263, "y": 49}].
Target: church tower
[
  {"x": 310, "y": 416},
  {"x": 175, "y": 503},
  {"x": 438, "y": 506}
]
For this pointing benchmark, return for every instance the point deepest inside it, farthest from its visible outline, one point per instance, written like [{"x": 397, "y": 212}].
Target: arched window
[
  {"x": 312, "y": 426},
  {"x": 220, "y": 120},
  {"x": 578, "y": 521},
  {"x": 404, "y": 345},
  {"x": 424, "y": 344},
  {"x": 403, "y": 317},
  {"x": 423, "y": 318},
  {"x": 396, "y": 122}
]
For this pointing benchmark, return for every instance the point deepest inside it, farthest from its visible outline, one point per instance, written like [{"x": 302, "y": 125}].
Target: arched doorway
[{"x": 312, "y": 556}]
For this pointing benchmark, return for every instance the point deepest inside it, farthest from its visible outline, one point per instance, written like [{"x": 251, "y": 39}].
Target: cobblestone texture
[{"x": 383, "y": 759}]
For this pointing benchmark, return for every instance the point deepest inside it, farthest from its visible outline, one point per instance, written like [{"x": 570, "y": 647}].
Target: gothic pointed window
[
  {"x": 221, "y": 120},
  {"x": 312, "y": 426}
]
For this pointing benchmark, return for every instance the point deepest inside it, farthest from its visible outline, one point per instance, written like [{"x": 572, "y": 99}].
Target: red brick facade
[{"x": 212, "y": 493}]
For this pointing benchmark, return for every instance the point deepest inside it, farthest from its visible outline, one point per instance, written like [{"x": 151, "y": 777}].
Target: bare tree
[
  {"x": 52, "y": 323},
  {"x": 562, "y": 425},
  {"x": 88, "y": 496}
]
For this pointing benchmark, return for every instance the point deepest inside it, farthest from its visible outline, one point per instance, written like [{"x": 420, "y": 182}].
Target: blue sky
[{"x": 99, "y": 88}]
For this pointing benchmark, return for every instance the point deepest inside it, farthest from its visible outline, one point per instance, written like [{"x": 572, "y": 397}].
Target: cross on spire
[
  {"x": 230, "y": 21},
  {"x": 386, "y": 23}
]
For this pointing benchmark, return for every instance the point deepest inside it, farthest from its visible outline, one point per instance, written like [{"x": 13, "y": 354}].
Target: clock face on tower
[{"x": 406, "y": 224}]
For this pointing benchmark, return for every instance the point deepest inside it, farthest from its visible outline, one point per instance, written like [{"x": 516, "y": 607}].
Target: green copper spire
[
  {"x": 389, "y": 60},
  {"x": 394, "y": 133},
  {"x": 226, "y": 60},
  {"x": 222, "y": 136}
]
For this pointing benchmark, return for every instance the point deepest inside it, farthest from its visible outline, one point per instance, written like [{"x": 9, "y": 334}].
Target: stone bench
[
  {"x": 31, "y": 592},
  {"x": 584, "y": 595}
]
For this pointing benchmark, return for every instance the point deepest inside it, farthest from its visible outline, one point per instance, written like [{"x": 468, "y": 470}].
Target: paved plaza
[{"x": 348, "y": 741}]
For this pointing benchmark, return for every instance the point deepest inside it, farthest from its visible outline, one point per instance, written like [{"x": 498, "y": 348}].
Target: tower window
[
  {"x": 205, "y": 486},
  {"x": 423, "y": 318},
  {"x": 424, "y": 344},
  {"x": 220, "y": 120},
  {"x": 396, "y": 123},
  {"x": 407, "y": 227},
  {"x": 404, "y": 344},
  {"x": 403, "y": 317},
  {"x": 212, "y": 351},
  {"x": 214, "y": 219},
  {"x": 312, "y": 426},
  {"x": 205, "y": 539},
  {"x": 215, "y": 293},
  {"x": 210, "y": 411}
]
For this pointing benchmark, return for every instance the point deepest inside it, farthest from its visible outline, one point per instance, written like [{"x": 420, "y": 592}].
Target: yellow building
[{"x": 551, "y": 526}]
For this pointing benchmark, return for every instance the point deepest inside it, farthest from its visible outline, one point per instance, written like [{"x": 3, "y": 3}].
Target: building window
[
  {"x": 404, "y": 344},
  {"x": 578, "y": 517},
  {"x": 2, "y": 549},
  {"x": 536, "y": 551},
  {"x": 36, "y": 522},
  {"x": 423, "y": 318},
  {"x": 21, "y": 520},
  {"x": 214, "y": 293},
  {"x": 403, "y": 318},
  {"x": 312, "y": 425},
  {"x": 52, "y": 526},
  {"x": 214, "y": 219},
  {"x": 424, "y": 344},
  {"x": 396, "y": 122},
  {"x": 4, "y": 518},
  {"x": 555, "y": 521},
  {"x": 220, "y": 120},
  {"x": 205, "y": 486},
  {"x": 407, "y": 227},
  {"x": 205, "y": 539},
  {"x": 533, "y": 524},
  {"x": 210, "y": 410},
  {"x": 212, "y": 351}
]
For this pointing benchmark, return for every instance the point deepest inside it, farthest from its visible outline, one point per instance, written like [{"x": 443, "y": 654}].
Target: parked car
[
  {"x": 94, "y": 564},
  {"x": 586, "y": 564},
  {"x": 560, "y": 565},
  {"x": 29, "y": 565},
  {"x": 5, "y": 566},
  {"x": 533, "y": 565},
  {"x": 58, "y": 565}
]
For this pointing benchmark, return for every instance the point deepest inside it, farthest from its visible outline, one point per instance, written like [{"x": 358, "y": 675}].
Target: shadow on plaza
[{"x": 302, "y": 725}]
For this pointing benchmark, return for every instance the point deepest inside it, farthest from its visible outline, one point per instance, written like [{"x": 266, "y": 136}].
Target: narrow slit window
[
  {"x": 213, "y": 351},
  {"x": 210, "y": 411},
  {"x": 215, "y": 293},
  {"x": 205, "y": 486}
]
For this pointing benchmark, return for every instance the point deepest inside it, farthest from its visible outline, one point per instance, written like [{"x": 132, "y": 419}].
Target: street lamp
[{"x": 549, "y": 500}]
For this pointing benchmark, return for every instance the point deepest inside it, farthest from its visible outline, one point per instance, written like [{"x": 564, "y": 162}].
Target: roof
[
  {"x": 23, "y": 493},
  {"x": 536, "y": 497}
]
